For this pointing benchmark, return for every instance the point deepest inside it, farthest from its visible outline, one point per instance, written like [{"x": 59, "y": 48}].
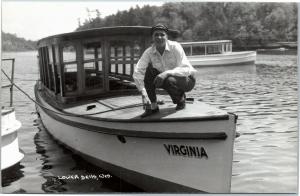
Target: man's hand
[{"x": 159, "y": 80}]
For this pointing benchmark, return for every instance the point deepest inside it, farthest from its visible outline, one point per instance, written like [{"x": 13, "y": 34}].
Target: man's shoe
[
  {"x": 180, "y": 106},
  {"x": 149, "y": 112}
]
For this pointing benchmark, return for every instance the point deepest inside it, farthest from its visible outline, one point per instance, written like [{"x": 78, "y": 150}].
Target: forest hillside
[
  {"x": 10, "y": 42},
  {"x": 248, "y": 24}
]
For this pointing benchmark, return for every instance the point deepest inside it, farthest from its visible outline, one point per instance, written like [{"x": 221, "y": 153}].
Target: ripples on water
[{"x": 265, "y": 155}]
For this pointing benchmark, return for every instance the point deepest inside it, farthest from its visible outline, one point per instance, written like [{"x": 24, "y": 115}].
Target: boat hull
[
  {"x": 232, "y": 58},
  {"x": 10, "y": 152},
  {"x": 155, "y": 164}
]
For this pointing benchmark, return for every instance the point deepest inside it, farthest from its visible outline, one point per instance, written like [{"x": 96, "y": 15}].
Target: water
[{"x": 265, "y": 154}]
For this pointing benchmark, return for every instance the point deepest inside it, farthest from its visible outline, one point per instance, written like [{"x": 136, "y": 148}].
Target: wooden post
[
  {"x": 12, "y": 82},
  {"x": 131, "y": 60},
  {"x": 116, "y": 59},
  {"x": 96, "y": 58},
  {"x": 54, "y": 68},
  {"x": 61, "y": 71},
  {"x": 106, "y": 64},
  {"x": 80, "y": 68},
  {"x": 47, "y": 67},
  {"x": 124, "y": 59}
]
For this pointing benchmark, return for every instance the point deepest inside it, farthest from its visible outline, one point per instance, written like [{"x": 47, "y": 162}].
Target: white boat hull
[
  {"x": 10, "y": 153},
  {"x": 153, "y": 164},
  {"x": 231, "y": 58}
]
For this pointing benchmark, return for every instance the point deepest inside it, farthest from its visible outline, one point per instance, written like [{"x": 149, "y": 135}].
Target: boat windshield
[
  {"x": 92, "y": 65},
  {"x": 69, "y": 68}
]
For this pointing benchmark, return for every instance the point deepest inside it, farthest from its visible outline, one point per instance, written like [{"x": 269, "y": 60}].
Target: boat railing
[{"x": 10, "y": 78}]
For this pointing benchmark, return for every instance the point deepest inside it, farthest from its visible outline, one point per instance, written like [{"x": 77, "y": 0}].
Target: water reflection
[
  {"x": 221, "y": 70},
  {"x": 12, "y": 174},
  {"x": 279, "y": 51}
]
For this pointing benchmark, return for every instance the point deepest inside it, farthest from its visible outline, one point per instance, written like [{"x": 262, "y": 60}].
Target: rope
[
  {"x": 6, "y": 75},
  {"x": 67, "y": 114}
]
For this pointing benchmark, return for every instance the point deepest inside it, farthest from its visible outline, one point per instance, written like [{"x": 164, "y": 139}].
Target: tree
[{"x": 244, "y": 23}]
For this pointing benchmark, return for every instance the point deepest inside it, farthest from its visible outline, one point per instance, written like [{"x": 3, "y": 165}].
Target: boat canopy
[
  {"x": 207, "y": 47},
  {"x": 93, "y": 62}
]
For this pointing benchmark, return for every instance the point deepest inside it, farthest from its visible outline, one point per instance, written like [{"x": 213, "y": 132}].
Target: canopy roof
[{"x": 104, "y": 31}]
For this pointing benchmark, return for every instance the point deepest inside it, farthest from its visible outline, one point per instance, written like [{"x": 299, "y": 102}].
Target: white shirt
[{"x": 173, "y": 61}]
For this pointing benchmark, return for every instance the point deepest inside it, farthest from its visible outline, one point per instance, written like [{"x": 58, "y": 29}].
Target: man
[{"x": 163, "y": 65}]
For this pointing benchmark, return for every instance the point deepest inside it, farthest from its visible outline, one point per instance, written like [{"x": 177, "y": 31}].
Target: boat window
[
  {"x": 69, "y": 53},
  {"x": 112, "y": 52},
  {"x": 42, "y": 66},
  {"x": 46, "y": 68},
  {"x": 128, "y": 57},
  {"x": 51, "y": 67},
  {"x": 70, "y": 68},
  {"x": 198, "y": 50},
  {"x": 117, "y": 56},
  {"x": 127, "y": 52},
  {"x": 112, "y": 68},
  {"x": 56, "y": 68},
  {"x": 187, "y": 50},
  {"x": 228, "y": 47},
  {"x": 120, "y": 54},
  {"x": 50, "y": 55},
  {"x": 123, "y": 57},
  {"x": 119, "y": 51},
  {"x": 92, "y": 51},
  {"x": 214, "y": 49},
  {"x": 93, "y": 65},
  {"x": 93, "y": 76},
  {"x": 70, "y": 71},
  {"x": 137, "y": 51},
  {"x": 120, "y": 69}
]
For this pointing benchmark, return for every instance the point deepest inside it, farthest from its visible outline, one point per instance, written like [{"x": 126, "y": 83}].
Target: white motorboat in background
[{"x": 216, "y": 53}]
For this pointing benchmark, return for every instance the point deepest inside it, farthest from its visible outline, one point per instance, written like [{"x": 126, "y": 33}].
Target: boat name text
[
  {"x": 186, "y": 151},
  {"x": 84, "y": 177}
]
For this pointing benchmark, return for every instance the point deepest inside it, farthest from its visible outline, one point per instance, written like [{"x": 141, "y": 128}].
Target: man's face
[{"x": 159, "y": 38}]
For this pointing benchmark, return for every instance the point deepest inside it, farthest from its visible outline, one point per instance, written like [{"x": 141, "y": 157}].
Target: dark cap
[{"x": 159, "y": 27}]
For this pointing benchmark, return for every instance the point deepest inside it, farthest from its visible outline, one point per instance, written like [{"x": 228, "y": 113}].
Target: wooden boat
[
  {"x": 87, "y": 100},
  {"x": 10, "y": 152},
  {"x": 216, "y": 53}
]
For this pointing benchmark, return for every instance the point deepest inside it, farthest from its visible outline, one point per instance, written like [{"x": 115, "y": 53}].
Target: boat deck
[{"x": 130, "y": 107}]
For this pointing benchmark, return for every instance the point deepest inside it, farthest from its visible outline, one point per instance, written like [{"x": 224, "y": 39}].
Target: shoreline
[{"x": 271, "y": 46}]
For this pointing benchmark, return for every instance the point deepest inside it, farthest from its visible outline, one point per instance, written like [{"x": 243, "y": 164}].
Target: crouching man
[{"x": 163, "y": 65}]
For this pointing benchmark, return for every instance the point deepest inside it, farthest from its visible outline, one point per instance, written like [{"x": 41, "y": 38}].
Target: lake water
[{"x": 265, "y": 155}]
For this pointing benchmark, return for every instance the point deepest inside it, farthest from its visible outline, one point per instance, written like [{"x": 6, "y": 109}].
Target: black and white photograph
[{"x": 135, "y": 97}]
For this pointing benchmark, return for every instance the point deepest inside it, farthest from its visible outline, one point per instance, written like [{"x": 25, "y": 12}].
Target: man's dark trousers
[{"x": 176, "y": 86}]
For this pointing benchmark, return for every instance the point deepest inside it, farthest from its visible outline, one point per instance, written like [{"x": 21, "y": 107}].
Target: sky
[{"x": 34, "y": 20}]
